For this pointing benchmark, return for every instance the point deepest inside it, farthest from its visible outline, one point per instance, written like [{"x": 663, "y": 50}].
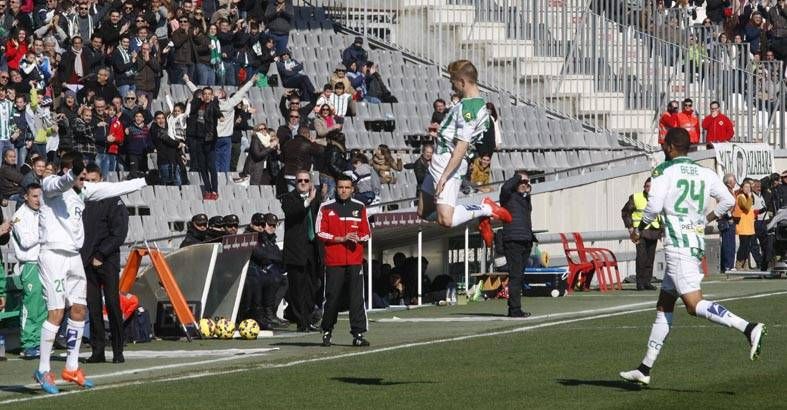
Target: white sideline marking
[
  {"x": 155, "y": 354},
  {"x": 339, "y": 356}
]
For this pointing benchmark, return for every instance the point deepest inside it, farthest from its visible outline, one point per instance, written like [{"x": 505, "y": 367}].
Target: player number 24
[{"x": 688, "y": 189}]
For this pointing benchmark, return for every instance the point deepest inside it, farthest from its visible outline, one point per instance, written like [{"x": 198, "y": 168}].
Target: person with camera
[{"x": 518, "y": 237}]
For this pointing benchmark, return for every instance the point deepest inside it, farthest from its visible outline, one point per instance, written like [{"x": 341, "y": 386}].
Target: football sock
[
  {"x": 658, "y": 334},
  {"x": 645, "y": 370},
  {"x": 48, "y": 334},
  {"x": 717, "y": 313},
  {"x": 748, "y": 330},
  {"x": 73, "y": 340},
  {"x": 464, "y": 213}
]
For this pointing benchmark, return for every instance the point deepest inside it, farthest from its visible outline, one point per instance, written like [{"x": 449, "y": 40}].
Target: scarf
[
  {"x": 215, "y": 51},
  {"x": 78, "y": 69},
  {"x": 329, "y": 121}
]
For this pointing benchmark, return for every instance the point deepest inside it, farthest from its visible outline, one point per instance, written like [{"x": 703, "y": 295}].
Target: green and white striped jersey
[
  {"x": 466, "y": 121},
  {"x": 6, "y": 119},
  {"x": 679, "y": 192}
]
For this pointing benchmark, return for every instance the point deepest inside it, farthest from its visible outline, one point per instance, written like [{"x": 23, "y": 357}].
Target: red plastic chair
[
  {"x": 606, "y": 264},
  {"x": 580, "y": 269}
]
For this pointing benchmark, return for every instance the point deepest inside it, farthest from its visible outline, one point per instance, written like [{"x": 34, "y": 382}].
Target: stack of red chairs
[{"x": 583, "y": 262}]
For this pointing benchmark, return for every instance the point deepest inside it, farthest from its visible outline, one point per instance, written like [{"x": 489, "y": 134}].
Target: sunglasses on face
[
  {"x": 273, "y": 225},
  {"x": 295, "y": 116},
  {"x": 687, "y": 105},
  {"x": 231, "y": 226},
  {"x": 201, "y": 225},
  {"x": 303, "y": 181}
]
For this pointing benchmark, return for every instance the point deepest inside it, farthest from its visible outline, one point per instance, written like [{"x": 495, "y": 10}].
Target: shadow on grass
[
  {"x": 484, "y": 314},
  {"x": 19, "y": 389},
  {"x": 373, "y": 381},
  {"x": 629, "y": 386},
  {"x": 298, "y": 344}
]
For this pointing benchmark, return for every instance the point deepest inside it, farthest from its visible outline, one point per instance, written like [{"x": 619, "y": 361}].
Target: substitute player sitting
[
  {"x": 62, "y": 272},
  {"x": 457, "y": 135},
  {"x": 679, "y": 191}
]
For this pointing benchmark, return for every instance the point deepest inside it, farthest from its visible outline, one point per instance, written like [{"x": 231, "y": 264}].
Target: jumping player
[
  {"x": 62, "y": 272},
  {"x": 462, "y": 127},
  {"x": 679, "y": 191}
]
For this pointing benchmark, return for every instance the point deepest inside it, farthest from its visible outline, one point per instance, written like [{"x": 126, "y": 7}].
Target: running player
[
  {"x": 462, "y": 127},
  {"x": 679, "y": 191},
  {"x": 62, "y": 272}
]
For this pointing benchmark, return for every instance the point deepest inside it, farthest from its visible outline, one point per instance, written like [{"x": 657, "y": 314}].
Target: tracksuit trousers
[
  {"x": 341, "y": 283},
  {"x": 34, "y": 310}
]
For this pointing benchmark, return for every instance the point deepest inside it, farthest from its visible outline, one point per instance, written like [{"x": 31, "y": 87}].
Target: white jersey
[
  {"x": 466, "y": 121},
  {"x": 25, "y": 234},
  {"x": 679, "y": 192},
  {"x": 61, "y": 209}
]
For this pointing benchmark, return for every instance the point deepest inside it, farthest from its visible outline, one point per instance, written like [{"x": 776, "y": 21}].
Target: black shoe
[
  {"x": 118, "y": 358},
  {"x": 649, "y": 287},
  {"x": 96, "y": 359},
  {"x": 326, "y": 339},
  {"x": 519, "y": 314},
  {"x": 359, "y": 341}
]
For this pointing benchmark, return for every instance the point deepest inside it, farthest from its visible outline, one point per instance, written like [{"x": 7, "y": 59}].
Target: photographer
[{"x": 518, "y": 237}]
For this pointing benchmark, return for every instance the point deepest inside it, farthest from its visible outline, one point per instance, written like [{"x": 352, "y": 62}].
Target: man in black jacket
[
  {"x": 517, "y": 237},
  {"x": 106, "y": 227},
  {"x": 302, "y": 250},
  {"x": 266, "y": 282},
  {"x": 421, "y": 166},
  {"x": 197, "y": 231},
  {"x": 201, "y": 139}
]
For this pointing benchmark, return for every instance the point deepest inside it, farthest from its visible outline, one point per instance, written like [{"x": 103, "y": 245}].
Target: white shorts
[
  {"x": 450, "y": 190},
  {"x": 683, "y": 274},
  {"x": 63, "y": 278}
]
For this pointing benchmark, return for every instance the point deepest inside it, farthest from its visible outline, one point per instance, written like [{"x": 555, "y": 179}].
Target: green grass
[{"x": 569, "y": 365}]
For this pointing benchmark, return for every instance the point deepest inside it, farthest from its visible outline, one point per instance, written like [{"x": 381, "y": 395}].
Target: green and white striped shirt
[
  {"x": 6, "y": 119},
  {"x": 466, "y": 121}
]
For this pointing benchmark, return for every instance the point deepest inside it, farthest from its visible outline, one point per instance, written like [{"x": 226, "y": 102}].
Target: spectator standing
[
  {"x": 646, "y": 240},
  {"x": 262, "y": 158},
  {"x": 201, "y": 139},
  {"x": 243, "y": 113},
  {"x": 167, "y": 149},
  {"x": 481, "y": 173},
  {"x": 116, "y": 135},
  {"x": 106, "y": 227},
  {"x": 421, "y": 166},
  {"x": 279, "y": 16},
  {"x": 518, "y": 237},
  {"x": 385, "y": 164},
  {"x": 74, "y": 65},
  {"x": 726, "y": 226},
  {"x": 226, "y": 124},
  {"x": 298, "y": 154},
  {"x": 355, "y": 53},
  {"x": 36, "y": 174},
  {"x": 302, "y": 254},
  {"x": 744, "y": 228},
  {"x": 124, "y": 63},
  {"x": 334, "y": 164},
  {"x": 208, "y": 56},
  {"x": 26, "y": 247},
  {"x": 137, "y": 145},
  {"x": 718, "y": 128},
  {"x": 16, "y": 48},
  {"x": 84, "y": 134},
  {"x": 227, "y": 35},
  {"x": 148, "y": 69},
  {"x": 184, "y": 52},
  {"x": 6, "y": 119},
  {"x": 688, "y": 120},
  {"x": 668, "y": 120},
  {"x": 100, "y": 87},
  {"x": 111, "y": 30},
  {"x": 343, "y": 227},
  {"x": 289, "y": 130}
]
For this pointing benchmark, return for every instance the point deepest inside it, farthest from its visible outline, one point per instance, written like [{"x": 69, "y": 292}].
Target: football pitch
[{"x": 567, "y": 355}]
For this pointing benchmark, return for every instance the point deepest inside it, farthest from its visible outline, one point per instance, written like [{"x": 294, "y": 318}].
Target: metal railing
[{"x": 612, "y": 63}]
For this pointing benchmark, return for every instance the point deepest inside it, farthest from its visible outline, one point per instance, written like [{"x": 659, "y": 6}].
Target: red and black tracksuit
[{"x": 343, "y": 261}]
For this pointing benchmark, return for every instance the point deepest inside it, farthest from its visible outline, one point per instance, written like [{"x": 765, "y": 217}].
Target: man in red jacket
[
  {"x": 688, "y": 120},
  {"x": 343, "y": 228},
  {"x": 668, "y": 120},
  {"x": 718, "y": 128}
]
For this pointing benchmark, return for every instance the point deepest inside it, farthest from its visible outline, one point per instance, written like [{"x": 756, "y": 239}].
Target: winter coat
[
  {"x": 257, "y": 163},
  {"x": 298, "y": 154},
  {"x": 167, "y": 151},
  {"x": 385, "y": 167},
  {"x": 147, "y": 71},
  {"x": 279, "y": 22},
  {"x": 356, "y": 54}
]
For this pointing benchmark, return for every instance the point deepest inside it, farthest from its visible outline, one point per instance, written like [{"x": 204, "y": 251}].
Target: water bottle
[{"x": 2, "y": 348}]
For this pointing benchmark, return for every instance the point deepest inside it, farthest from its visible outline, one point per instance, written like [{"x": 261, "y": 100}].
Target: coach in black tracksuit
[
  {"x": 517, "y": 237},
  {"x": 302, "y": 250},
  {"x": 343, "y": 228},
  {"x": 106, "y": 226}
]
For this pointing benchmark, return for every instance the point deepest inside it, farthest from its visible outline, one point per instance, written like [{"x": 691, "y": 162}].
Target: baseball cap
[
  {"x": 271, "y": 219},
  {"x": 199, "y": 219},
  {"x": 257, "y": 219}
]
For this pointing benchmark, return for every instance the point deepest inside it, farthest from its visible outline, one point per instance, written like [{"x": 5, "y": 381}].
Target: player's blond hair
[{"x": 463, "y": 69}]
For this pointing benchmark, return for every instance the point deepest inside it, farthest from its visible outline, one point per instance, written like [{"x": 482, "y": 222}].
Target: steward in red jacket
[
  {"x": 343, "y": 227},
  {"x": 718, "y": 128}
]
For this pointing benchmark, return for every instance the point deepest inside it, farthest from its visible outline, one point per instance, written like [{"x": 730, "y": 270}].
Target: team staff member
[
  {"x": 197, "y": 231},
  {"x": 646, "y": 242},
  {"x": 266, "y": 281},
  {"x": 106, "y": 227},
  {"x": 26, "y": 247},
  {"x": 302, "y": 251},
  {"x": 517, "y": 237},
  {"x": 343, "y": 227}
]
